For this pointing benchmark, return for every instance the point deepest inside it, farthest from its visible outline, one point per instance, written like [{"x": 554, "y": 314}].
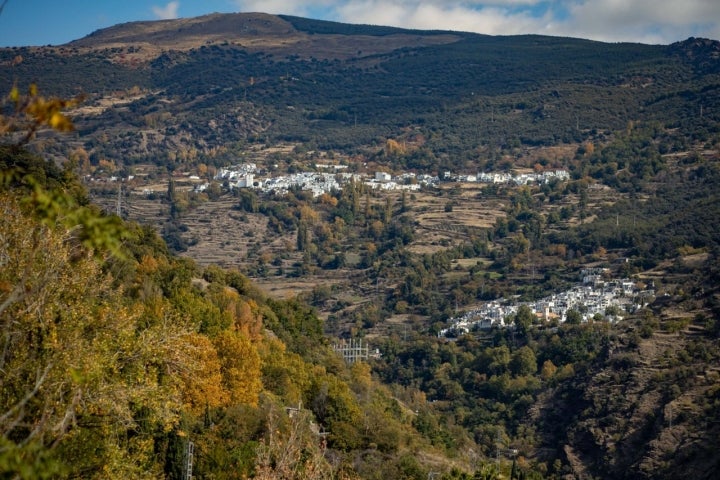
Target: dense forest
[{"x": 117, "y": 355}]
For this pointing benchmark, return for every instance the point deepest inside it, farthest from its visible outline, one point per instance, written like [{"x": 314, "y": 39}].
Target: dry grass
[{"x": 439, "y": 229}]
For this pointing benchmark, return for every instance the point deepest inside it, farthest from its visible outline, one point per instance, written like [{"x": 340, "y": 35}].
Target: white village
[
  {"x": 597, "y": 297},
  {"x": 320, "y": 181}
]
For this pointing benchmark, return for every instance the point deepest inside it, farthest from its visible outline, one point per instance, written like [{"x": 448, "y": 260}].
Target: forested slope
[{"x": 116, "y": 355}]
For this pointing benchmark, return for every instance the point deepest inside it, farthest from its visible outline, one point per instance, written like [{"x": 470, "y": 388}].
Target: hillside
[
  {"x": 223, "y": 80},
  {"x": 142, "y": 353}
]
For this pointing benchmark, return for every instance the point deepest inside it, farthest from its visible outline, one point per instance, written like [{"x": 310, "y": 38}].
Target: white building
[{"x": 383, "y": 177}]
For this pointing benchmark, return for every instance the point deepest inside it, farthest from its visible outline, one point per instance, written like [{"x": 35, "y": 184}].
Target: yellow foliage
[
  {"x": 107, "y": 165},
  {"x": 202, "y": 378},
  {"x": 32, "y": 111},
  {"x": 244, "y": 314},
  {"x": 248, "y": 322},
  {"x": 147, "y": 265},
  {"x": 284, "y": 374},
  {"x": 548, "y": 370},
  {"x": 76, "y": 353},
  {"x": 361, "y": 378},
  {"x": 392, "y": 147},
  {"x": 308, "y": 215},
  {"x": 240, "y": 367},
  {"x": 327, "y": 199}
]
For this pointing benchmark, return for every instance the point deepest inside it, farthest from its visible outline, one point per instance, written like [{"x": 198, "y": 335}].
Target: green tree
[
  {"x": 80, "y": 366},
  {"x": 573, "y": 317},
  {"x": 523, "y": 319},
  {"x": 523, "y": 362}
]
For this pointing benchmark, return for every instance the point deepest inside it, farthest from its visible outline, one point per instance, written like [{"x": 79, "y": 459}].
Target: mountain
[
  {"x": 259, "y": 32},
  {"x": 221, "y": 79}
]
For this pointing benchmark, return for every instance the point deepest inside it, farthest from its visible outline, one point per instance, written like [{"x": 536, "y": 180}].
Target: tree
[
  {"x": 80, "y": 366},
  {"x": 248, "y": 200},
  {"x": 523, "y": 362},
  {"x": 548, "y": 370},
  {"x": 523, "y": 319},
  {"x": 573, "y": 317},
  {"x": 204, "y": 388},
  {"x": 291, "y": 449},
  {"x": 499, "y": 359},
  {"x": 240, "y": 367},
  {"x": 302, "y": 237}
]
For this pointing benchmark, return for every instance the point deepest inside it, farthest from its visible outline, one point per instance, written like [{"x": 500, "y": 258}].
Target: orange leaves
[
  {"x": 220, "y": 372},
  {"x": 248, "y": 322},
  {"x": 245, "y": 317},
  {"x": 308, "y": 215},
  {"x": 148, "y": 265},
  {"x": 327, "y": 199}
]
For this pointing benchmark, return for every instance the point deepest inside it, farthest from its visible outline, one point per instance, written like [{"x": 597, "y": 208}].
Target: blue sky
[{"x": 43, "y": 22}]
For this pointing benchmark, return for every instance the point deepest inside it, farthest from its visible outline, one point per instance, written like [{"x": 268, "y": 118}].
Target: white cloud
[
  {"x": 287, "y": 7},
  {"x": 651, "y": 21},
  {"x": 489, "y": 20},
  {"x": 167, "y": 12},
  {"x": 647, "y": 21}
]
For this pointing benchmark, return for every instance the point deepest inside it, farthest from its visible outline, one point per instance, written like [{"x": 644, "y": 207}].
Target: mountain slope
[
  {"x": 647, "y": 410},
  {"x": 220, "y": 79},
  {"x": 636, "y": 126}
]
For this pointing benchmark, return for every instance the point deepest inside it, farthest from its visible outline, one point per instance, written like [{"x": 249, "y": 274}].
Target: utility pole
[
  {"x": 118, "y": 206},
  {"x": 188, "y": 466}
]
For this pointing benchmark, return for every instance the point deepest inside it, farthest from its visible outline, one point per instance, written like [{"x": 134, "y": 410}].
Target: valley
[{"x": 404, "y": 182}]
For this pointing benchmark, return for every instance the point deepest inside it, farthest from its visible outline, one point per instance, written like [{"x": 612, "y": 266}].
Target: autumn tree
[
  {"x": 80, "y": 370},
  {"x": 240, "y": 367}
]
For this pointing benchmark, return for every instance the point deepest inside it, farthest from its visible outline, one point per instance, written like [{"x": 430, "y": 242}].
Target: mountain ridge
[{"x": 253, "y": 31}]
